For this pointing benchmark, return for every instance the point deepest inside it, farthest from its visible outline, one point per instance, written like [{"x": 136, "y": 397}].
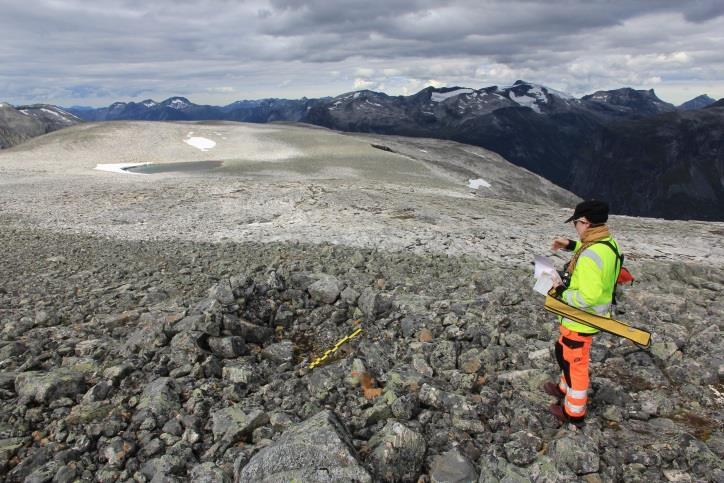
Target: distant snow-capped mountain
[
  {"x": 179, "y": 103},
  {"x": 52, "y": 117},
  {"x": 627, "y": 102},
  {"x": 25, "y": 122}
]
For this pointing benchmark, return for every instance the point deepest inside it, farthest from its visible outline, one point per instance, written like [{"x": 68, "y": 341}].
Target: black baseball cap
[{"x": 594, "y": 210}]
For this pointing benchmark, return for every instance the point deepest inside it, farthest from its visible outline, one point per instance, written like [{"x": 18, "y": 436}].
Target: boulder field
[{"x": 181, "y": 361}]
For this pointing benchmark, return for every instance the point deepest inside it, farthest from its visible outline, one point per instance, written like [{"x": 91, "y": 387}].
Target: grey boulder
[
  {"x": 280, "y": 352},
  {"x": 45, "y": 387},
  {"x": 159, "y": 397},
  {"x": 522, "y": 448},
  {"x": 317, "y": 450},
  {"x": 326, "y": 289},
  {"x": 579, "y": 453},
  {"x": 397, "y": 453},
  {"x": 227, "y": 347},
  {"x": 232, "y": 424},
  {"x": 222, "y": 292},
  {"x": 208, "y": 473},
  {"x": 452, "y": 467}
]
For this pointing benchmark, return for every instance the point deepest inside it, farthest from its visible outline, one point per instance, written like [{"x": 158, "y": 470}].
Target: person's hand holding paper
[{"x": 546, "y": 275}]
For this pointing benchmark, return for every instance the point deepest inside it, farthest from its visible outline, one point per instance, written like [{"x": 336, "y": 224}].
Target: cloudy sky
[{"x": 94, "y": 52}]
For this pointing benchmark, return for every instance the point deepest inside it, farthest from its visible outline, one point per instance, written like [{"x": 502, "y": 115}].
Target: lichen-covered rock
[
  {"x": 91, "y": 347},
  {"x": 240, "y": 372},
  {"x": 349, "y": 295},
  {"x": 444, "y": 356},
  {"x": 206, "y": 316},
  {"x": 252, "y": 333},
  {"x": 280, "y": 352},
  {"x": 208, "y": 473},
  {"x": 65, "y": 474},
  {"x": 403, "y": 379},
  {"x": 470, "y": 361},
  {"x": 232, "y": 424},
  {"x": 373, "y": 303},
  {"x": 543, "y": 470},
  {"x": 118, "y": 372},
  {"x": 164, "y": 468},
  {"x": 12, "y": 349},
  {"x": 117, "y": 451},
  {"x": 159, "y": 397},
  {"x": 45, "y": 387},
  {"x": 149, "y": 333},
  {"x": 44, "y": 473},
  {"x": 227, "y": 347},
  {"x": 8, "y": 448},
  {"x": 326, "y": 289},
  {"x": 317, "y": 450},
  {"x": 452, "y": 467},
  {"x": 222, "y": 292},
  {"x": 397, "y": 453},
  {"x": 89, "y": 412},
  {"x": 576, "y": 452},
  {"x": 522, "y": 448},
  {"x": 439, "y": 399},
  {"x": 379, "y": 411}
]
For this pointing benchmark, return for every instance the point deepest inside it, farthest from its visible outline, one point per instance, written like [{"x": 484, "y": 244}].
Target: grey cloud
[
  {"x": 702, "y": 10},
  {"x": 125, "y": 46}
]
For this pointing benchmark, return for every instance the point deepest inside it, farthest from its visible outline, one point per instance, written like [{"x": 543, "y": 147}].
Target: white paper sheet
[{"x": 545, "y": 274}]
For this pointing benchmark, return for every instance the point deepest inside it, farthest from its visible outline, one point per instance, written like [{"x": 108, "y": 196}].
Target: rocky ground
[
  {"x": 138, "y": 347},
  {"x": 163, "y": 361}
]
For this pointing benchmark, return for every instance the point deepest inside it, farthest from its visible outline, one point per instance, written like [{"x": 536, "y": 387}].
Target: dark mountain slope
[
  {"x": 16, "y": 127},
  {"x": 697, "y": 102},
  {"x": 19, "y": 124},
  {"x": 671, "y": 165}
]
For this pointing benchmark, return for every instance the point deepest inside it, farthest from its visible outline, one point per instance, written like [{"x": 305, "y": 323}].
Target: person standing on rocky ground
[{"x": 591, "y": 276}]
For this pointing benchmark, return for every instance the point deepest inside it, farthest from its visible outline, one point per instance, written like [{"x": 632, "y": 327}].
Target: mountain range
[{"x": 645, "y": 156}]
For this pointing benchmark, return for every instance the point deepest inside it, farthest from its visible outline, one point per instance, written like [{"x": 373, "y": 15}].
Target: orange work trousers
[{"x": 573, "y": 352}]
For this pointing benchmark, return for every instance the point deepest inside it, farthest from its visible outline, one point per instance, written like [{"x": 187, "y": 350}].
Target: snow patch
[
  {"x": 478, "y": 183},
  {"x": 538, "y": 93},
  {"x": 177, "y": 104},
  {"x": 475, "y": 154},
  {"x": 203, "y": 144},
  {"x": 120, "y": 167},
  {"x": 50, "y": 112},
  {"x": 564, "y": 95},
  {"x": 525, "y": 101},
  {"x": 149, "y": 103},
  {"x": 441, "y": 96}
]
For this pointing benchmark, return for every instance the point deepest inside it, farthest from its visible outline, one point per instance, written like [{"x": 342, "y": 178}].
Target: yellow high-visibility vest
[{"x": 592, "y": 283}]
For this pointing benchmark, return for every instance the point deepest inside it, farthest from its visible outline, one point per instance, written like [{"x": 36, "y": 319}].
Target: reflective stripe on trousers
[{"x": 573, "y": 354}]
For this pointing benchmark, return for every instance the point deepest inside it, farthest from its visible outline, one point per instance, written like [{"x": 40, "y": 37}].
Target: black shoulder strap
[{"x": 619, "y": 258}]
